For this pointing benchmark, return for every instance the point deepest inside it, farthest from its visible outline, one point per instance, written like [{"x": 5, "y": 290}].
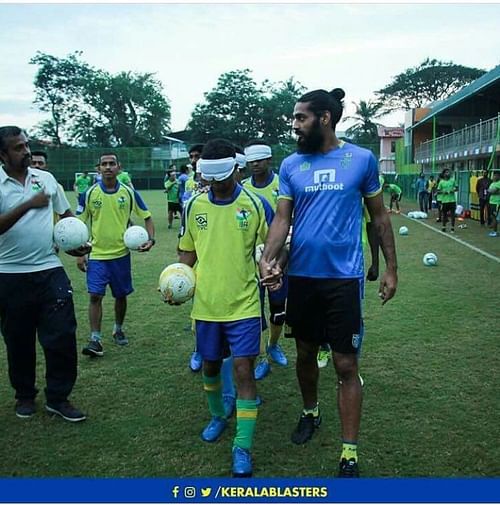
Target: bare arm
[
  {"x": 187, "y": 257},
  {"x": 382, "y": 223},
  {"x": 270, "y": 269},
  {"x": 10, "y": 218},
  {"x": 150, "y": 228}
]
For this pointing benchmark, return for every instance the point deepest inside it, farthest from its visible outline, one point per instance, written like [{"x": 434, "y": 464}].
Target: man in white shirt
[{"x": 36, "y": 296}]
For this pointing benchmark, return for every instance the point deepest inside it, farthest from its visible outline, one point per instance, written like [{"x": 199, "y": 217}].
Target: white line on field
[{"x": 447, "y": 235}]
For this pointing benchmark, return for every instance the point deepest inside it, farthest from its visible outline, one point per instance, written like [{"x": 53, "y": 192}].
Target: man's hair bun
[{"x": 338, "y": 93}]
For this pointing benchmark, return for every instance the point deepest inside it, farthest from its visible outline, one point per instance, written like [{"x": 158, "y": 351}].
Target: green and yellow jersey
[
  {"x": 172, "y": 189},
  {"x": 446, "y": 189},
  {"x": 394, "y": 189},
  {"x": 224, "y": 236},
  {"x": 107, "y": 214},
  {"x": 495, "y": 197},
  {"x": 83, "y": 183},
  {"x": 124, "y": 178},
  {"x": 269, "y": 190}
]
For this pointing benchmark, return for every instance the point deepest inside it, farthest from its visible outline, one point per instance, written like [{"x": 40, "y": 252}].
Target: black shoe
[
  {"x": 25, "y": 408},
  {"x": 305, "y": 429},
  {"x": 348, "y": 469},
  {"x": 66, "y": 411},
  {"x": 93, "y": 349}
]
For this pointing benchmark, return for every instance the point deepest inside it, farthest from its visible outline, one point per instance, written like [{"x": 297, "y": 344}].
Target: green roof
[{"x": 461, "y": 95}]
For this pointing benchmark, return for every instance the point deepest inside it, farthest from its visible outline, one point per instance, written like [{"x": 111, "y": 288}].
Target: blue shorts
[
  {"x": 242, "y": 336},
  {"x": 117, "y": 273}
]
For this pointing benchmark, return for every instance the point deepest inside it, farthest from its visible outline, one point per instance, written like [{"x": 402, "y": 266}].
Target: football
[
  {"x": 430, "y": 259},
  {"x": 177, "y": 283},
  {"x": 70, "y": 233},
  {"x": 134, "y": 237},
  {"x": 403, "y": 230}
]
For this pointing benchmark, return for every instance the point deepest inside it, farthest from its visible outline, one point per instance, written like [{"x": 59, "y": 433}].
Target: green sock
[
  {"x": 314, "y": 411},
  {"x": 213, "y": 388},
  {"x": 246, "y": 417},
  {"x": 349, "y": 451}
]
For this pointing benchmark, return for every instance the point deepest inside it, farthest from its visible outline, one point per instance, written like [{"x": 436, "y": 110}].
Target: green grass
[{"x": 430, "y": 362}]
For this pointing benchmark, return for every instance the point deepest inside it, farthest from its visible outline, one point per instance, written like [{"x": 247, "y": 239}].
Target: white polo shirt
[{"x": 28, "y": 245}]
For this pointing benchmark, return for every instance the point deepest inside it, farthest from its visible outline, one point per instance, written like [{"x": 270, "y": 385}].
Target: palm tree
[{"x": 364, "y": 130}]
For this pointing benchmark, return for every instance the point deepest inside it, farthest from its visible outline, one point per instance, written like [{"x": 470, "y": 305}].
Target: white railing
[{"x": 480, "y": 138}]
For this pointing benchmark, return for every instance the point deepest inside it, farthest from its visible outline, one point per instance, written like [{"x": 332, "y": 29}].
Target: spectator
[{"x": 482, "y": 186}]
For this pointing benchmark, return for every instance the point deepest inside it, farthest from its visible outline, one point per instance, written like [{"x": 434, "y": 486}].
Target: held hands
[
  {"x": 271, "y": 274},
  {"x": 388, "y": 285},
  {"x": 168, "y": 299}
]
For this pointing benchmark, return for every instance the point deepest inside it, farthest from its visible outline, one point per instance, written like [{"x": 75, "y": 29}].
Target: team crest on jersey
[
  {"x": 346, "y": 160},
  {"x": 121, "y": 202},
  {"x": 304, "y": 166},
  {"x": 242, "y": 216},
  {"x": 97, "y": 204},
  {"x": 36, "y": 186},
  {"x": 276, "y": 193},
  {"x": 201, "y": 221}
]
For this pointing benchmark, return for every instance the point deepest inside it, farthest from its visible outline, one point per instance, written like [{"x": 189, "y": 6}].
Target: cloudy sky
[{"x": 358, "y": 47}]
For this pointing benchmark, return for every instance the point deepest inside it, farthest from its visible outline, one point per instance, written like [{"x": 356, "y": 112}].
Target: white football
[
  {"x": 70, "y": 233},
  {"x": 177, "y": 283},
  {"x": 430, "y": 259},
  {"x": 134, "y": 237},
  {"x": 403, "y": 230}
]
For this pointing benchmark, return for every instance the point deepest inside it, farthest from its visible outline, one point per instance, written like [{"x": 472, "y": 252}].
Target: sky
[{"x": 358, "y": 47}]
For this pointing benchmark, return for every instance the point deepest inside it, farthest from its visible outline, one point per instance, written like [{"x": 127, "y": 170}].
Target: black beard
[{"x": 313, "y": 142}]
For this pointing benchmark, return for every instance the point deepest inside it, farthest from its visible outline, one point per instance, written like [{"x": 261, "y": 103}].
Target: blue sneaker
[
  {"x": 213, "y": 430},
  {"x": 262, "y": 370},
  {"x": 229, "y": 405},
  {"x": 242, "y": 462},
  {"x": 195, "y": 362},
  {"x": 277, "y": 354},
  {"x": 492, "y": 234}
]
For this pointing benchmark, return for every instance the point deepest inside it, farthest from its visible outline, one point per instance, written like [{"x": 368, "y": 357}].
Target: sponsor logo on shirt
[
  {"x": 242, "y": 216},
  {"x": 324, "y": 180},
  {"x": 36, "y": 186},
  {"x": 97, "y": 204},
  {"x": 345, "y": 162},
  {"x": 201, "y": 221}
]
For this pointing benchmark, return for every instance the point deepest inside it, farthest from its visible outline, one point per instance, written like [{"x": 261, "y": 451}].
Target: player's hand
[
  {"x": 168, "y": 299},
  {"x": 80, "y": 251},
  {"x": 146, "y": 246},
  {"x": 41, "y": 199},
  {"x": 81, "y": 263},
  {"x": 372, "y": 274},
  {"x": 271, "y": 274},
  {"x": 388, "y": 285}
]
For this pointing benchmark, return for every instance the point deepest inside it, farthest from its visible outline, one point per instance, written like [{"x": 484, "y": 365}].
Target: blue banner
[{"x": 300, "y": 490}]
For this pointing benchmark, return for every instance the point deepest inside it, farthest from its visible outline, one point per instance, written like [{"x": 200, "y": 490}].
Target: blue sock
[{"x": 227, "y": 377}]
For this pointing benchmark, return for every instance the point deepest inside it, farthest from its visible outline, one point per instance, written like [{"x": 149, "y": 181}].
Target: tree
[
  {"x": 239, "y": 109},
  {"x": 57, "y": 83},
  {"x": 126, "y": 109},
  {"x": 232, "y": 110},
  {"x": 430, "y": 81},
  {"x": 364, "y": 129},
  {"x": 93, "y": 107},
  {"x": 277, "y": 110}
]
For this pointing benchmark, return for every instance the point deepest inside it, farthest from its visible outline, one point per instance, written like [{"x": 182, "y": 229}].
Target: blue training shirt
[{"x": 327, "y": 191}]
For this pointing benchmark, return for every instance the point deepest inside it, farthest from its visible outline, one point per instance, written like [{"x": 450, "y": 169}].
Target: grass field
[{"x": 430, "y": 363}]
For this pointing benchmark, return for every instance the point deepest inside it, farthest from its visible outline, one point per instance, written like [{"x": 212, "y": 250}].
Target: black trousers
[
  {"x": 39, "y": 302},
  {"x": 484, "y": 211}
]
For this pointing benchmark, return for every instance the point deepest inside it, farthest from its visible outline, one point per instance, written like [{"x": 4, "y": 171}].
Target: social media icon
[
  {"x": 189, "y": 492},
  {"x": 175, "y": 491},
  {"x": 205, "y": 492}
]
